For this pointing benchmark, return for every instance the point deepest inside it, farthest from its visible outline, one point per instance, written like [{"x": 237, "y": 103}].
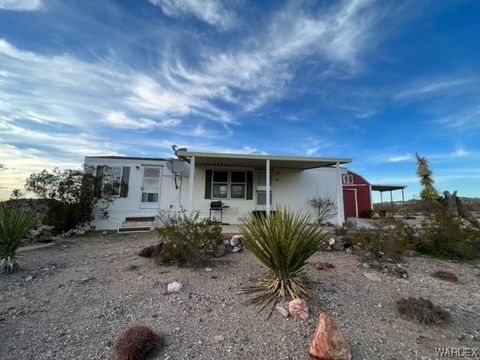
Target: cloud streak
[{"x": 20, "y": 5}]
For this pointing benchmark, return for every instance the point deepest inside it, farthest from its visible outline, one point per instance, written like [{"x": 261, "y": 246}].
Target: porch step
[
  {"x": 140, "y": 218},
  {"x": 137, "y": 224}
]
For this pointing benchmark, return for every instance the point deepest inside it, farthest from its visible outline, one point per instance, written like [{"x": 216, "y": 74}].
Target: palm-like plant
[
  {"x": 14, "y": 225},
  {"x": 283, "y": 242}
]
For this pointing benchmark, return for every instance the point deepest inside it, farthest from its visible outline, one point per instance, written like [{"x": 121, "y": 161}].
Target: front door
[
  {"x": 150, "y": 198},
  {"x": 261, "y": 190}
]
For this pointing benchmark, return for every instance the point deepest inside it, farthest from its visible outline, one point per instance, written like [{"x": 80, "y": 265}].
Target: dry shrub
[
  {"x": 136, "y": 343},
  {"x": 445, "y": 275},
  {"x": 422, "y": 310}
]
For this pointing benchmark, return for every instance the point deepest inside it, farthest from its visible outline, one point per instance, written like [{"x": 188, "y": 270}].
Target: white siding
[{"x": 290, "y": 188}]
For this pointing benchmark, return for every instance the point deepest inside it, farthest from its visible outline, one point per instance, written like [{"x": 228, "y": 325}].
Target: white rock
[
  {"x": 331, "y": 242},
  {"x": 173, "y": 287},
  {"x": 208, "y": 269},
  {"x": 29, "y": 278},
  {"x": 372, "y": 276},
  {"x": 236, "y": 240},
  {"x": 218, "y": 338},
  {"x": 282, "y": 311}
]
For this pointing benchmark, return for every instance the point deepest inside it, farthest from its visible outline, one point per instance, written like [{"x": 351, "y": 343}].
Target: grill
[{"x": 216, "y": 206}]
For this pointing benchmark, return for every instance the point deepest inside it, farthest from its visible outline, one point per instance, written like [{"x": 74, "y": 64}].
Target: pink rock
[
  {"x": 329, "y": 343},
  {"x": 298, "y": 309}
]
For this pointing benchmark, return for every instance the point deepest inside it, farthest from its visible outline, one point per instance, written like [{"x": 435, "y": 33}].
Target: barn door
[{"x": 350, "y": 202}]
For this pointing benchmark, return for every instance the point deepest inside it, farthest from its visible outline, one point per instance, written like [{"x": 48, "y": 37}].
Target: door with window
[
  {"x": 261, "y": 190},
  {"x": 152, "y": 177}
]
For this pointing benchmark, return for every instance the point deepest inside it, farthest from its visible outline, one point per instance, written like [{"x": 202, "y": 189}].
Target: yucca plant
[
  {"x": 283, "y": 241},
  {"x": 14, "y": 225}
]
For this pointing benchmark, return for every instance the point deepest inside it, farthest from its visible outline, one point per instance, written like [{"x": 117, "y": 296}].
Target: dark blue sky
[{"x": 376, "y": 81}]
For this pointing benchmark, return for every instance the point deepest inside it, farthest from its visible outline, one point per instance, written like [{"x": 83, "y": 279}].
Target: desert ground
[{"x": 72, "y": 301}]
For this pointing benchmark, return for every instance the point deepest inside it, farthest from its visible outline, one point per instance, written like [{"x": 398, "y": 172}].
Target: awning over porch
[
  {"x": 266, "y": 162},
  {"x": 389, "y": 188},
  {"x": 259, "y": 161}
]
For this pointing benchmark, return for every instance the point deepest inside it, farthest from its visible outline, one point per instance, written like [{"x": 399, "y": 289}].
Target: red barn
[{"x": 357, "y": 195}]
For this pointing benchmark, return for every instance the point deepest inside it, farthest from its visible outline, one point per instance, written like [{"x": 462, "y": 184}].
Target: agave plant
[
  {"x": 283, "y": 241},
  {"x": 14, "y": 225}
]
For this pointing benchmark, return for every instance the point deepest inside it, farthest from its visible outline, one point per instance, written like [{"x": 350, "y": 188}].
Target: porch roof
[{"x": 258, "y": 161}]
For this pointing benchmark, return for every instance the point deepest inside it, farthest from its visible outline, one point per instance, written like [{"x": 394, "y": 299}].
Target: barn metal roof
[
  {"x": 383, "y": 188},
  {"x": 258, "y": 161}
]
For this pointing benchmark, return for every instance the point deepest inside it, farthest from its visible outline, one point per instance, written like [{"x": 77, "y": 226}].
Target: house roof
[
  {"x": 258, "y": 161},
  {"x": 125, "y": 158},
  {"x": 383, "y": 188}
]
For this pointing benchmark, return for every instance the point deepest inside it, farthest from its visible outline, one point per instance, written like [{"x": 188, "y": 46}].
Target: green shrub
[
  {"x": 188, "y": 241},
  {"x": 283, "y": 242},
  {"x": 445, "y": 236},
  {"x": 388, "y": 241},
  {"x": 340, "y": 231},
  {"x": 14, "y": 225}
]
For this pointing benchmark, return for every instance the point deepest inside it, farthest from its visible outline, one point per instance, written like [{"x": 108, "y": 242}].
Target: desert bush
[
  {"x": 340, "y": 231},
  {"x": 388, "y": 241},
  {"x": 15, "y": 223},
  {"x": 188, "y": 241},
  {"x": 445, "y": 236},
  {"x": 283, "y": 242},
  {"x": 136, "y": 343},
  {"x": 324, "y": 206},
  {"x": 422, "y": 310}
]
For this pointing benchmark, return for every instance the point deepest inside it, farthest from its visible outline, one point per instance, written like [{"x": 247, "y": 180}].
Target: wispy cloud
[
  {"x": 401, "y": 158},
  {"x": 426, "y": 88},
  {"x": 464, "y": 120},
  {"x": 213, "y": 12},
  {"x": 20, "y": 5},
  {"x": 120, "y": 120}
]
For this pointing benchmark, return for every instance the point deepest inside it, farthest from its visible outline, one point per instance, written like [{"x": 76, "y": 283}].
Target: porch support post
[
  {"x": 340, "y": 210},
  {"x": 391, "y": 199},
  {"x": 191, "y": 182},
  {"x": 267, "y": 186},
  {"x": 381, "y": 197}
]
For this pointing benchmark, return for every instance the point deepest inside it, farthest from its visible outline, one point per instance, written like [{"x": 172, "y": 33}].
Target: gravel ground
[{"x": 73, "y": 301}]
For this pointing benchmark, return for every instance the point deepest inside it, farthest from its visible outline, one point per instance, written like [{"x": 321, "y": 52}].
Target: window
[
  {"x": 151, "y": 184},
  {"x": 112, "y": 181},
  {"x": 262, "y": 197},
  {"x": 229, "y": 185},
  {"x": 238, "y": 184},
  {"x": 220, "y": 184},
  {"x": 347, "y": 179}
]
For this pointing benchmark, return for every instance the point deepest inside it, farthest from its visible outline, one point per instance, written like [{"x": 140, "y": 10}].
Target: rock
[
  {"x": 329, "y": 343},
  {"x": 42, "y": 234},
  {"x": 104, "y": 232},
  {"x": 220, "y": 251},
  {"x": 218, "y": 338},
  {"x": 236, "y": 240},
  {"x": 208, "y": 269},
  {"x": 150, "y": 250},
  {"x": 298, "y": 309},
  {"x": 331, "y": 242},
  {"x": 80, "y": 232},
  {"x": 29, "y": 278},
  {"x": 339, "y": 245},
  {"x": 174, "y": 287},
  {"x": 372, "y": 276},
  {"x": 230, "y": 249},
  {"x": 282, "y": 311},
  {"x": 445, "y": 275},
  {"x": 323, "y": 265}
]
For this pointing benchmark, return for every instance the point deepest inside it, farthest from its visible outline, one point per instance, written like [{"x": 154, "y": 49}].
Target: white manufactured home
[{"x": 223, "y": 187}]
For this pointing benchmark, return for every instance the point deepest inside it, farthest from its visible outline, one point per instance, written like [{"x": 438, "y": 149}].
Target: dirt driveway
[{"x": 72, "y": 302}]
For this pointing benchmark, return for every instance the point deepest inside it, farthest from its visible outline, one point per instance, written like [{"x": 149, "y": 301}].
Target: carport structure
[{"x": 390, "y": 189}]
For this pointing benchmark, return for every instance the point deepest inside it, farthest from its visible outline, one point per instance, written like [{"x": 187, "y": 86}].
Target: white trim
[
  {"x": 156, "y": 204},
  {"x": 356, "y": 201},
  {"x": 267, "y": 185},
  {"x": 191, "y": 182}
]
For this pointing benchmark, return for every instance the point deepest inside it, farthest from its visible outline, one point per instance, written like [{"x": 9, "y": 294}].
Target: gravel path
[{"x": 73, "y": 301}]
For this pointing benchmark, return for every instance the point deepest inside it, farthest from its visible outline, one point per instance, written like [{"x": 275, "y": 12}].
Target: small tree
[
  {"x": 16, "y": 194},
  {"x": 72, "y": 194},
  {"x": 324, "y": 206},
  {"x": 429, "y": 193}
]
